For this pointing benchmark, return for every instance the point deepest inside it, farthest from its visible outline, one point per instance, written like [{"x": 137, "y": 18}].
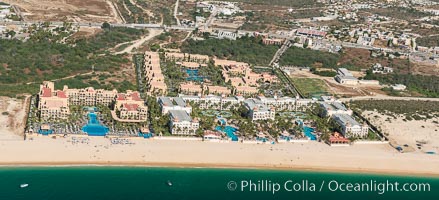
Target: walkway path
[
  {"x": 67, "y": 77},
  {"x": 176, "y": 12},
  {"x": 127, "y": 9},
  {"x": 117, "y": 15}
]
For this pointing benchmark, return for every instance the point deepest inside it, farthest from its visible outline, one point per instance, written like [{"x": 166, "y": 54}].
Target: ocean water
[{"x": 116, "y": 183}]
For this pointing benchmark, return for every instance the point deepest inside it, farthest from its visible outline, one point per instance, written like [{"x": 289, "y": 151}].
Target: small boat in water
[
  {"x": 169, "y": 183},
  {"x": 24, "y": 185}
]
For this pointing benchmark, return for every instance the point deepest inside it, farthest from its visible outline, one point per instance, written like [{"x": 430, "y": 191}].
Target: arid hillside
[{"x": 67, "y": 10}]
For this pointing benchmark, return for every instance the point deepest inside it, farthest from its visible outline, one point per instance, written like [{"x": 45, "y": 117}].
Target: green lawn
[{"x": 310, "y": 86}]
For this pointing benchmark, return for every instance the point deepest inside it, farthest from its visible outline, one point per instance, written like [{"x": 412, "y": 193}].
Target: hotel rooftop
[
  {"x": 346, "y": 120},
  {"x": 179, "y": 115}
]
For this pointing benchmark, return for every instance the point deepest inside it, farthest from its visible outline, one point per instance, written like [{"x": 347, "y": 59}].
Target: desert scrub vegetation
[
  {"x": 412, "y": 110},
  {"x": 45, "y": 57},
  {"x": 244, "y": 49},
  {"x": 289, "y": 3}
]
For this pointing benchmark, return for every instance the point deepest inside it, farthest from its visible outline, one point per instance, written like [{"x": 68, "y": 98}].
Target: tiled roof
[
  {"x": 131, "y": 107},
  {"x": 47, "y": 92}
]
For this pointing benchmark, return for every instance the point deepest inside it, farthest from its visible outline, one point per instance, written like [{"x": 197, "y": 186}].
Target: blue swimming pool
[
  {"x": 146, "y": 135},
  {"x": 93, "y": 127},
  {"x": 193, "y": 75},
  {"x": 308, "y": 132},
  {"x": 45, "y": 132},
  {"x": 222, "y": 121},
  {"x": 230, "y": 132}
]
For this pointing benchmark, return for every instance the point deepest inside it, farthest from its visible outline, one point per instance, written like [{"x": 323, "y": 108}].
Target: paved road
[
  {"x": 211, "y": 17},
  {"x": 280, "y": 52},
  {"x": 388, "y": 98},
  {"x": 98, "y": 25}
]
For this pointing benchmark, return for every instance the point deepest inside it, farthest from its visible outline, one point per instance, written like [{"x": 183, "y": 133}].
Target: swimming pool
[
  {"x": 45, "y": 132},
  {"x": 146, "y": 135},
  {"x": 93, "y": 127},
  {"x": 308, "y": 132},
  {"x": 222, "y": 121},
  {"x": 230, "y": 132},
  {"x": 193, "y": 75}
]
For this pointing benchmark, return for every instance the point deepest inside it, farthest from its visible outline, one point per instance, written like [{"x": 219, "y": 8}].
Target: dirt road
[{"x": 152, "y": 33}]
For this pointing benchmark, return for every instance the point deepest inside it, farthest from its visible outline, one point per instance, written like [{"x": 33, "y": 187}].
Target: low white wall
[
  {"x": 339, "y": 145},
  {"x": 299, "y": 141},
  {"x": 179, "y": 138},
  {"x": 370, "y": 142},
  {"x": 218, "y": 141},
  {"x": 255, "y": 142}
]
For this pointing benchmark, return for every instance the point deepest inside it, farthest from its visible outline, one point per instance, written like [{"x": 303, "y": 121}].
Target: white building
[
  {"x": 173, "y": 103},
  {"x": 280, "y": 104},
  {"x": 258, "y": 110},
  {"x": 303, "y": 104},
  {"x": 399, "y": 87},
  {"x": 181, "y": 123},
  {"x": 214, "y": 102},
  {"x": 228, "y": 103},
  {"x": 227, "y": 35},
  {"x": 334, "y": 107},
  {"x": 212, "y": 136},
  {"x": 345, "y": 77},
  {"x": 349, "y": 126},
  {"x": 379, "y": 69},
  {"x": 363, "y": 40}
]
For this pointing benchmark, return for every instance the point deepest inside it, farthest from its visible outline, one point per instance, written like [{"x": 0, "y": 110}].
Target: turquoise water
[
  {"x": 193, "y": 75},
  {"x": 94, "y": 128},
  {"x": 118, "y": 183},
  {"x": 223, "y": 122},
  {"x": 45, "y": 132},
  {"x": 230, "y": 131},
  {"x": 308, "y": 132}
]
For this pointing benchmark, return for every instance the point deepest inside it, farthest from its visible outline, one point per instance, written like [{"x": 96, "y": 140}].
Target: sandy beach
[
  {"x": 43, "y": 150},
  {"x": 407, "y": 132},
  {"x": 12, "y": 114},
  {"x": 313, "y": 155}
]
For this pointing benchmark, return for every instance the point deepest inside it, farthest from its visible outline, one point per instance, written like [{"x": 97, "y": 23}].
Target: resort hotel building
[
  {"x": 349, "y": 126},
  {"x": 286, "y": 103},
  {"x": 129, "y": 107},
  {"x": 259, "y": 111},
  {"x": 181, "y": 123},
  {"x": 214, "y": 102},
  {"x": 89, "y": 96},
  {"x": 190, "y": 88},
  {"x": 185, "y": 57},
  {"x": 343, "y": 117},
  {"x": 242, "y": 78},
  {"x": 173, "y": 103},
  {"x": 153, "y": 74},
  {"x": 218, "y": 90},
  {"x": 52, "y": 105},
  {"x": 334, "y": 107}
]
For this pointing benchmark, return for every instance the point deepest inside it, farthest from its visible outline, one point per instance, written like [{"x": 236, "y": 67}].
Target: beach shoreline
[
  {"x": 220, "y": 166},
  {"x": 312, "y": 156}
]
